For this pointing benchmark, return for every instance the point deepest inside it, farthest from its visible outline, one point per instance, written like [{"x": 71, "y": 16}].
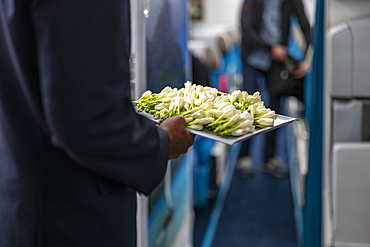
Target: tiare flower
[{"x": 234, "y": 114}]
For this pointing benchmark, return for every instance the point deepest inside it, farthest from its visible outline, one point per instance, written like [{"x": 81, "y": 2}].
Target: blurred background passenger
[{"x": 266, "y": 27}]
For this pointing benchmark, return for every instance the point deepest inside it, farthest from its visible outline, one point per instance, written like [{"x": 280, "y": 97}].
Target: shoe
[
  {"x": 244, "y": 167},
  {"x": 276, "y": 167}
]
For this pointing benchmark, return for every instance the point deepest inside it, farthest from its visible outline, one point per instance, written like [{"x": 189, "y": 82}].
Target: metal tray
[{"x": 280, "y": 121}]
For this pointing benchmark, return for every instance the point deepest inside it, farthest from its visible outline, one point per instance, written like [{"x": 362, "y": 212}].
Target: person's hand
[
  {"x": 301, "y": 71},
  {"x": 180, "y": 138},
  {"x": 278, "y": 53}
]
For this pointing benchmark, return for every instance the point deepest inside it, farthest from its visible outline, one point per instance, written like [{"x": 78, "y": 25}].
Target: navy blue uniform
[{"x": 73, "y": 151}]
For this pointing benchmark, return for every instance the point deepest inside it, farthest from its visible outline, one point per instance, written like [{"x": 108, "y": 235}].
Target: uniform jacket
[
  {"x": 251, "y": 21},
  {"x": 73, "y": 151}
]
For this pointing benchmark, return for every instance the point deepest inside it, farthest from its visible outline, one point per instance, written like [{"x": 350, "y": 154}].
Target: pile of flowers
[{"x": 234, "y": 114}]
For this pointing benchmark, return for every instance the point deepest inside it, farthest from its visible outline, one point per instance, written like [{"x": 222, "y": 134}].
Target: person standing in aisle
[
  {"x": 266, "y": 26},
  {"x": 73, "y": 151}
]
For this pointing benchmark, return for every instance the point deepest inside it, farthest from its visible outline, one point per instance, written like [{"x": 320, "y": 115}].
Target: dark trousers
[{"x": 252, "y": 83}]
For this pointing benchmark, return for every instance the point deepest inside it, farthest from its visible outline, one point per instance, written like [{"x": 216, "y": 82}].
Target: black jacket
[
  {"x": 73, "y": 151},
  {"x": 251, "y": 20}
]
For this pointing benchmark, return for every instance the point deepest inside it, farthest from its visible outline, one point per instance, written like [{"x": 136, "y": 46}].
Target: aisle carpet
[{"x": 257, "y": 212}]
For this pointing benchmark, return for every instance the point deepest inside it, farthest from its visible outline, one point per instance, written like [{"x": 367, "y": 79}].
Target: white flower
[
  {"x": 161, "y": 106},
  {"x": 178, "y": 101},
  {"x": 147, "y": 94},
  {"x": 246, "y": 115},
  {"x": 270, "y": 114},
  {"x": 204, "y": 121},
  {"x": 203, "y": 96},
  {"x": 172, "y": 94},
  {"x": 221, "y": 105},
  {"x": 228, "y": 111},
  {"x": 216, "y": 112},
  {"x": 196, "y": 127},
  {"x": 238, "y": 132},
  {"x": 225, "y": 114},
  {"x": 235, "y": 118},
  {"x": 181, "y": 92},
  {"x": 265, "y": 122},
  {"x": 244, "y": 96},
  {"x": 245, "y": 124},
  {"x": 165, "y": 91},
  {"x": 171, "y": 107},
  {"x": 234, "y": 95},
  {"x": 166, "y": 99},
  {"x": 198, "y": 114}
]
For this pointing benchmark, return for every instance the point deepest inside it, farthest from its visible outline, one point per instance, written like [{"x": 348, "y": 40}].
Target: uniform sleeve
[{"x": 84, "y": 50}]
